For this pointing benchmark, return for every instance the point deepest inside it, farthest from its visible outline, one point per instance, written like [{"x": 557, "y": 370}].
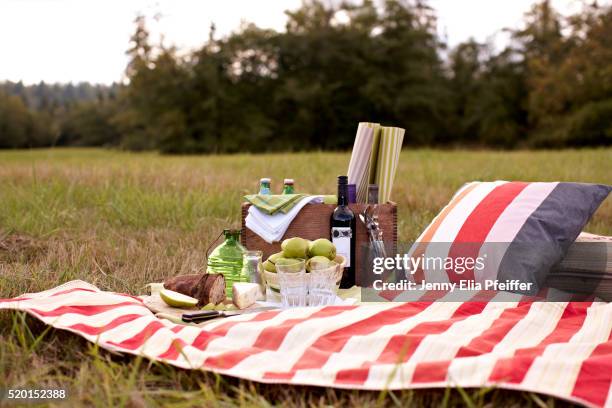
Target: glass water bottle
[
  {"x": 227, "y": 259},
  {"x": 288, "y": 186},
  {"x": 264, "y": 186}
]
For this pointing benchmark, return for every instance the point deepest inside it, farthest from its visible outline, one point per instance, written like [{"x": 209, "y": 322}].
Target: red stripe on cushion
[
  {"x": 478, "y": 224},
  {"x": 431, "y": 230}
]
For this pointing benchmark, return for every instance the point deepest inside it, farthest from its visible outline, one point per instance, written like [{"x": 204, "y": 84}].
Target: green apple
[
  {"x": 289, "y": 262},
  {"x": 176, "y": 299},
  {"x": 295, "y": 248},
  {"x": 318, "y": 262},
  {"x": 269, "y": 266},
  {"x": 322, "y": 247},
  {"x": 272, "y": 258}
]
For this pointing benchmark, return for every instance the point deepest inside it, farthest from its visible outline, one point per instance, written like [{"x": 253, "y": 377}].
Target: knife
[{"x": 213, "y": 314}]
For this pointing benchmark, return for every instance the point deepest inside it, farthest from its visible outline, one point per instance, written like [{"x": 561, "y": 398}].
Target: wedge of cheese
[{"x": 245, "y": 294}]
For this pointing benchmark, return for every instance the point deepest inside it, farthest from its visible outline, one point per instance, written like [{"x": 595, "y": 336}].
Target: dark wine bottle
[{"x": 343, "y": 233}]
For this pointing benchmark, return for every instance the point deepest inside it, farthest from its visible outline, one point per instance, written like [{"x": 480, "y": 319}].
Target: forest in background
[{"x": 307, "y": 87}]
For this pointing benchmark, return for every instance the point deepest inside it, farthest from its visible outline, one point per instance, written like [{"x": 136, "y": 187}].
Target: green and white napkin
[
  {"x": 273, "y": 203},
  {"x": 283, "y": 203}
]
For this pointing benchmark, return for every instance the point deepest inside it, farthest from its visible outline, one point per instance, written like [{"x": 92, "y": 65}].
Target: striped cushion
[{"x": 522, "y": 229}]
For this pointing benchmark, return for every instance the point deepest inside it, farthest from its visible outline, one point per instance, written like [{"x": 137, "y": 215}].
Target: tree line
[
  {"x": 335, "y": 65},
  {"x": 43, "y": 114}
]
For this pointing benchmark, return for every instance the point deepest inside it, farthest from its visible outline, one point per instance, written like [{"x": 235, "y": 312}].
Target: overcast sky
[{"x": 85, "y": 40}]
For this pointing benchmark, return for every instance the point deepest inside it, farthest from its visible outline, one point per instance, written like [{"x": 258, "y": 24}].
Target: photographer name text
[{"x": 488, "y": 284}]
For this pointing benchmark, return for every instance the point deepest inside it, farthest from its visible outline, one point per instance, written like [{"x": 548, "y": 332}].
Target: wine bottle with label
[{"x": 343, "y": 233}]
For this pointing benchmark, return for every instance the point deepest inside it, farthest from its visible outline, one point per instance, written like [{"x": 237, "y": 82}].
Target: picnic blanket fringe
[{"x": 563, "y": 349}]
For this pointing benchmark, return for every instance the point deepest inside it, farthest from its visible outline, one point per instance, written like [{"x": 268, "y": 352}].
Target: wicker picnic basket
[{"x": 313, "y": 222}]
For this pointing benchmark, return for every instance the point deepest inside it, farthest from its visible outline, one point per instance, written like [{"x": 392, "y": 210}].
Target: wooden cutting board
[{"x": 155, "y": 304}]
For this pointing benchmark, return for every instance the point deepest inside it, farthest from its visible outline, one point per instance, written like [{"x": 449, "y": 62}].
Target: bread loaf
[{"x": 206, "y": 287}]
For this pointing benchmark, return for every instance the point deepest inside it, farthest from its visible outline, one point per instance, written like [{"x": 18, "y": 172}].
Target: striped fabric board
[
  {"x": 363, "y": 158},
  {"x": 358, "y": 170},
  {"x": 373, "y": 162},
  {"x": 521, "y": 228},
  {"x": 374, "y": 159},
  {"x": 563, "y": 349},
  {"x": 389, "y": 149}
]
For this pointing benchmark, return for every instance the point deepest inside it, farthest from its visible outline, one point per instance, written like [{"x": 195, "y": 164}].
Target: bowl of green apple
[{"x": 319, "y": 254}]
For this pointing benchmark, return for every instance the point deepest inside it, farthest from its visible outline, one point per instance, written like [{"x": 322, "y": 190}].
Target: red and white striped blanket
[{"x": 562, "y": 349}]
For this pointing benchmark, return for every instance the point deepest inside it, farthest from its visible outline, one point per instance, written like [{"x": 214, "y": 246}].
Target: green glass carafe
[{"x": 227, "y": 259}]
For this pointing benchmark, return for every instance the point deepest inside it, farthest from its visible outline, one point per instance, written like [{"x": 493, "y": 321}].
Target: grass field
[{"x": 121, "y": 220}]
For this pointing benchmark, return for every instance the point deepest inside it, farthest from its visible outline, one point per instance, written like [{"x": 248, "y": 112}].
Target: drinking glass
[
  {"x": 293, "y": 282},
  {"x": 322, "y": 286},
  {"x": 252, "y": 267}
]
